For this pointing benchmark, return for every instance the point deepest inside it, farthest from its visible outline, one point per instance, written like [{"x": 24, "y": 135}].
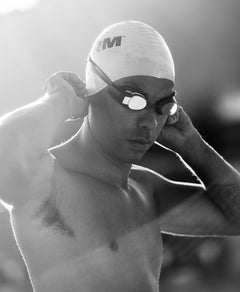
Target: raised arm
[
  {"x": 213, "y": 206},
  {"x": 28, "y": 132}
]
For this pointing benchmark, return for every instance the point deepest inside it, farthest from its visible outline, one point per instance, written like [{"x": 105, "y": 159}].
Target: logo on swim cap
[
  {"x": 129, "y": 48},
  {"x": 109, "y": 43}
]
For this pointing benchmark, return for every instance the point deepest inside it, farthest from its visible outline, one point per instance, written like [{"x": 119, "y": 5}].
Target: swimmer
[{"x": 85, "y": 215}]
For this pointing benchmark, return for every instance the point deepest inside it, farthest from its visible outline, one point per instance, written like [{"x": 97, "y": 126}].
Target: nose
[{"x": 150, "y": 119}]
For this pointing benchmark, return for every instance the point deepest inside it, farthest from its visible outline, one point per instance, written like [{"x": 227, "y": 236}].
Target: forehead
[{"x": 151, "y": 87}]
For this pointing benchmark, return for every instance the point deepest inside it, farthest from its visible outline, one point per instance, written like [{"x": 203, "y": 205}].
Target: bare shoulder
[
  {"x": 150, "y": 179},
  {"x": 24, "y": 182},
  {"x": 147, "y": 175},
  {"x": 163, "y": 190}
]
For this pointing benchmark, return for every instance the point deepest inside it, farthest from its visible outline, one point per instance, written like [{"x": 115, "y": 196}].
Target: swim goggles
[{"x": 134, "y": 100}]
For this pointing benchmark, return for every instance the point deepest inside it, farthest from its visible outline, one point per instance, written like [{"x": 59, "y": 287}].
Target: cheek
[
  {"x": 109, "y": 118},
  {"x": 121, "y": 119},
  {"x": 162, "y": 120}
]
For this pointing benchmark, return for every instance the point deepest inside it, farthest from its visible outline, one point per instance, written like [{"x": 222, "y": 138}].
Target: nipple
[{"x": 113, "y": 245}]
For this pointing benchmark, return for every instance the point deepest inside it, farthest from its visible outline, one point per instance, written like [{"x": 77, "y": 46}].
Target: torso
[{"x": 87, "y": 236}]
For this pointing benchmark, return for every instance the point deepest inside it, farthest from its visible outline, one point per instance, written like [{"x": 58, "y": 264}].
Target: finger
[
  {"x": 171, "y": 120},
  {"x": 72, "y": 78},
  {"x": 75, "y": 82},
  {"x": 53, "y": 82},
  {"x": 44, "y": 89},
  {"x": 78, "y": 81},
  {"x": 80, "y": 92}
]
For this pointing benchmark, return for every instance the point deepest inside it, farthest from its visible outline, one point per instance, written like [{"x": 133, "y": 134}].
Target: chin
[
  {"x": 129, "y": 155},
  {"x": 134, "y": 158}
]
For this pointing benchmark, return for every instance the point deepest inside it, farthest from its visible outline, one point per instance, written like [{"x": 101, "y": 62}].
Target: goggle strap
[{"x": 101, "y": 74}]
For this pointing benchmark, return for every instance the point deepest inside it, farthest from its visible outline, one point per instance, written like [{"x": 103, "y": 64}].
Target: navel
[{"x": 113, "y": 245}]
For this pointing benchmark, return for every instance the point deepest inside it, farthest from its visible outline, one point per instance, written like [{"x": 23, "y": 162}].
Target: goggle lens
[
  {"x": 137, "y": 103},
  {"x": 168, "y": 109}
]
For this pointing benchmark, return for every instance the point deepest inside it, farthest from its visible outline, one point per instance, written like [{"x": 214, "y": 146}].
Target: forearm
[
  {"x": 221, "y": 180},
  {"x": 209, "y": 166},
  {"x": 34, "y": 126}
]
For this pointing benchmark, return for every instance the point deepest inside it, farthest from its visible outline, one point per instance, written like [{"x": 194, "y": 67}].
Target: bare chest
[
  {"x": 87, "y": 225},
  {"x": 94, "y": 213}
]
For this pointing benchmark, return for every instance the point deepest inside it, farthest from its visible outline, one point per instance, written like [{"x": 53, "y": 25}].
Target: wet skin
[{"x": 94, "y": 225}]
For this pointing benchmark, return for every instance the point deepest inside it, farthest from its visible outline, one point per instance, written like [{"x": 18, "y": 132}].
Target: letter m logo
[{"x": 109, "y": 43}]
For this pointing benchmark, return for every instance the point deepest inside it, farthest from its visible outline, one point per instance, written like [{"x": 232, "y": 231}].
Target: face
[{"x": 125, "y": 134}]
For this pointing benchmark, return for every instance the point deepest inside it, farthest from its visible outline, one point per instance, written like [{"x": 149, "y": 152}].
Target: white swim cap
[{"x": 129, "y": 48}]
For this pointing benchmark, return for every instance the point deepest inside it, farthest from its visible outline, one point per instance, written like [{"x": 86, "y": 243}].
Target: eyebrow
[
  {"x": 136, "y": 87},
  {"x": 171, "y": 95}
]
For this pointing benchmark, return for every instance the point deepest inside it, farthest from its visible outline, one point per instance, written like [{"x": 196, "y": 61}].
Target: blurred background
[{"x": 38, "y": 38}]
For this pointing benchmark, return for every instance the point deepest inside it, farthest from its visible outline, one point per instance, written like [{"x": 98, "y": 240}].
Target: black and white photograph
[{"x": 119, "y": 146}]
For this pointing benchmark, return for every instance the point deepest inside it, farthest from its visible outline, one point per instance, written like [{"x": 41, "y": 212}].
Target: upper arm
[
  {"x": 25, "y": 134},
  {"x": 186, "y": 209},
  {"x": 21, "y": 179}
]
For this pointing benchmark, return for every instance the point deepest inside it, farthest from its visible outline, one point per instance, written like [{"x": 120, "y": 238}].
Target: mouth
[{"x": 140, "y": 143}]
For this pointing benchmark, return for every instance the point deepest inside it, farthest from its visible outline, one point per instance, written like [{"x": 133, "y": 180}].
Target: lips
[{"x": 140, "y": 143}]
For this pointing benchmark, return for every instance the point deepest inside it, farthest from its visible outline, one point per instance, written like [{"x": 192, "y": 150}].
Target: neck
[{"x": 96, "y": 161}]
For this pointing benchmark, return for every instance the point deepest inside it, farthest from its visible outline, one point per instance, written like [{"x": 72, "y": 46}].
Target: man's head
[
  {"x": 129, "y": 48},
  {"x": 131, "y": 57}
]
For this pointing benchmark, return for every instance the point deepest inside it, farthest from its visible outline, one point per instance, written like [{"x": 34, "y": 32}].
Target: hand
[
  {"x": 176, "y": 132},
  {"x": 71, "y": 87}
]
